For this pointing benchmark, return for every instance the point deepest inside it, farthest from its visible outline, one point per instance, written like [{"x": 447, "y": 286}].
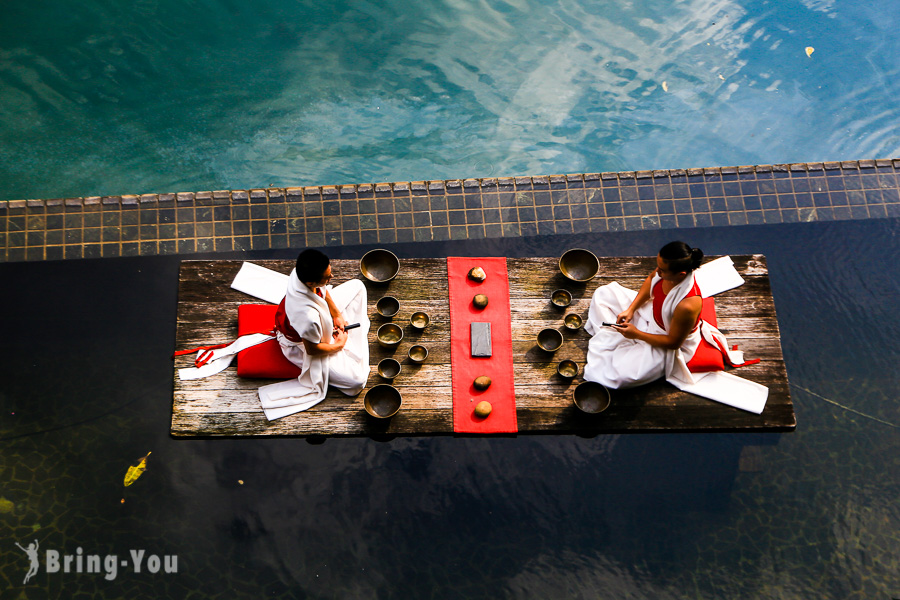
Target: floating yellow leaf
[
  {"x": 810, "y": 50},
  {"x": 665, "y": 86},
  {"x": 136, "y": 471}
]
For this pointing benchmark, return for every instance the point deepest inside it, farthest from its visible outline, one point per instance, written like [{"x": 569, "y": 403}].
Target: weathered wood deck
[{"x": 225, "y": 405}]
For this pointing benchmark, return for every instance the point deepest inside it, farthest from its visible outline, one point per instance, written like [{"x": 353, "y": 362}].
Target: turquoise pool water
[{"x": 156, "y": 95}]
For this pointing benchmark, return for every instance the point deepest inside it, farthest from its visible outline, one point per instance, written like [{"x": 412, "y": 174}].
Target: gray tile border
[{"x": 385, "y": 212}]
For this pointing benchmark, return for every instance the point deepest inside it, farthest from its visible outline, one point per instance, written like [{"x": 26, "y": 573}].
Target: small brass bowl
[
  {"x": 383, "y": 401},
  {"x": 567, "y": 368},
  {"x": 561, "y": 298},
  {"x": 419, "y": 320},
  {"x": 417, "y": 353},
  {"x": 388, "y": 368},
  {"x": 549, "y": 340},
  {"x": 591, "y": 397},
  {"x": 572, "y": 321},
  {"x": 387, "y": 306},
  {"x": 579, "y": 265},
  {"x": 379, "y": 265},
  {"x": 389, "y": 335}
]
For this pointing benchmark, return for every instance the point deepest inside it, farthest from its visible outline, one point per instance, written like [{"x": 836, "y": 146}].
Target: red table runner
[{"x": 499, "y": 366}]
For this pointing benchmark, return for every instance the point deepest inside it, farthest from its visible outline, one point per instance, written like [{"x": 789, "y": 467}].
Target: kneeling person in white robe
[{"x": 310, "y": 326}]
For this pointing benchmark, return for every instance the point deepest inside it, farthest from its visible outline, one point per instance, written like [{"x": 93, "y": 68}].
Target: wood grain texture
[{"x": 225, "y": 405}]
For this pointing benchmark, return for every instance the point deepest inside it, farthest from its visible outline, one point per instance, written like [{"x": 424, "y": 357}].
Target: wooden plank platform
[{"x": 225, "y": 405}]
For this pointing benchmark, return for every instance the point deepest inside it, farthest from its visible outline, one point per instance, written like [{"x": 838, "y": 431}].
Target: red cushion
[
  {"x": 263, "y": 360},
  {"x": 707, "y": 357}
]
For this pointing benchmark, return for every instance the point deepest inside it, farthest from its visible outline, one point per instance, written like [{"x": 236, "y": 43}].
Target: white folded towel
[
  {"x": 716, "y": 276},
  {"x": 261, "y": 282}
]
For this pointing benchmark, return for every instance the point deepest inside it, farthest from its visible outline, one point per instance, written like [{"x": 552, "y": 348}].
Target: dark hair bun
[
  {"x": 681, "y": 257},
  {"x": 696, "y": 257}
]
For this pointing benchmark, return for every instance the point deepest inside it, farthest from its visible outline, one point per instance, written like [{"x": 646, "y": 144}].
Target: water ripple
[{"x": 311, "y": 93}]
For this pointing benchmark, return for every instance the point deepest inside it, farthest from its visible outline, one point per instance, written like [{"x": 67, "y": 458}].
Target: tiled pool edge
[{"x": 227, "y": 220}]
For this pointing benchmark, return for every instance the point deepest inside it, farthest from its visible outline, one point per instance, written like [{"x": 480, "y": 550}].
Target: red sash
[{"x": 283, "y": 324}]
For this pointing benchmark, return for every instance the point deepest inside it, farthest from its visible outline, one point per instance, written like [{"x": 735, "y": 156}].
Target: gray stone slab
[{"x": 481, "y": 339}]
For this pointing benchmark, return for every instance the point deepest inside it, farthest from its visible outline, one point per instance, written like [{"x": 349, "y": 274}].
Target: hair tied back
[{"x": 696, "y": 257}]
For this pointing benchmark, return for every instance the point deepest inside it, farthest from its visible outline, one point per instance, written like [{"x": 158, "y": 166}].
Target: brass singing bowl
[
  {"x": 419, "y": 320},
  {"x": 561, "y": 298},
  {"x": 579, "y": 264},
  {"x": 567, "y": 368},
  {"x": 379, "y": 265},
  {"x": 549, "y": 340},
  {"x": 591, "y": 397},
  {"x": 417, "y": 353},
  {"x": 382, "y": 401},
  {"x": 388, "y": 368},
  {"x": 389, "y": 335},
  {"x": 387, "y": 306},
  {"x": 572, "y": 321}
]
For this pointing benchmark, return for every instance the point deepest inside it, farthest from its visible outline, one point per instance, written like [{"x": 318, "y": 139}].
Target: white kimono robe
[
  {"x": 346, "y": 370},
  {"x": 618, "y": 362}
]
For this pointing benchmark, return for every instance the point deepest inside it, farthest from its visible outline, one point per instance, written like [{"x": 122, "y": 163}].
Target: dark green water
[
  {"x": 107, "y": 97},
  {"x": 87, "y": 390}
]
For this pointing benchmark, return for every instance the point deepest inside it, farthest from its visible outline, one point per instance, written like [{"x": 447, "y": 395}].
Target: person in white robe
[
  {"x": 631, "y": 346},
  {"x": 311, "y": 332}
]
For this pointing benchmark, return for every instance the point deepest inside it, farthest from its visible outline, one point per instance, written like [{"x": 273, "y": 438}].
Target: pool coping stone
[{"x": 436, "y": 210}]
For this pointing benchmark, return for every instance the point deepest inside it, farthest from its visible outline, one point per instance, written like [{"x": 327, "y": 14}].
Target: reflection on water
[
  {"x": 636, "y": 516},
  {"x": 162, "y": 96}
]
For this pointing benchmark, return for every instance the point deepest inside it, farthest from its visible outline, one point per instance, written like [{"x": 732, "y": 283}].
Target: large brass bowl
[
  {"x": 389, "y": 368},
  {"x": 387, "y": 306},
  {"x": 549, "y": 340},
  {"x": 591, "y": 397},
  {"x": 379, "y": 265},
  {"x": 579, "y": 264},
  {"x": 383, "y": 401},
  {"x": 389, "y": 335}
]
